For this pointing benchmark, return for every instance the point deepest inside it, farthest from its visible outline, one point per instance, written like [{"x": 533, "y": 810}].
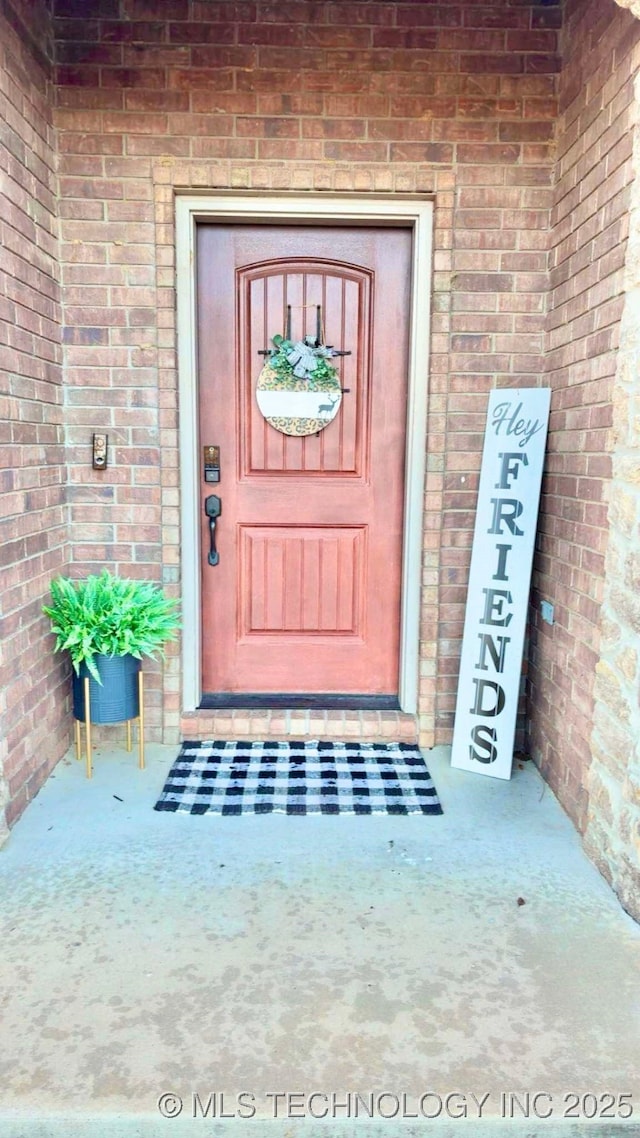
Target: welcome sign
[{"x": 499, "y": 579}]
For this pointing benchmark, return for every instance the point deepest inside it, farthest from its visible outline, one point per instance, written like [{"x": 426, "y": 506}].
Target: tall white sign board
[{"x": 499, "y": 579}]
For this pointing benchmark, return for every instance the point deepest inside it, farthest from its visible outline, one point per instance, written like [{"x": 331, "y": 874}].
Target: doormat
[{"x": 308, "y": 777}]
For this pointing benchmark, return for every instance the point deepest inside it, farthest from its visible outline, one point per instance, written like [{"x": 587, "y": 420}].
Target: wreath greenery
[{"x": 302, "y": 360}]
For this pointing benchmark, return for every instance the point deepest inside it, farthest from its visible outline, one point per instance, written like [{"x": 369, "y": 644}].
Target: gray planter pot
[{"x": 117, "y": 698}]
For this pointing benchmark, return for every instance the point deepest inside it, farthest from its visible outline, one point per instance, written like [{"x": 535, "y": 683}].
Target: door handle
[{"x": 213, "y": 509}]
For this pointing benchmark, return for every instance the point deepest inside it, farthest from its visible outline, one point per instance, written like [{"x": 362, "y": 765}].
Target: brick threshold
[{"x": 257, "y": 723}]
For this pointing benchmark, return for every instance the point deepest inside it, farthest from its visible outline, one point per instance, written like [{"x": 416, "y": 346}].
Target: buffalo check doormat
[{"x": 308, "y": 777}]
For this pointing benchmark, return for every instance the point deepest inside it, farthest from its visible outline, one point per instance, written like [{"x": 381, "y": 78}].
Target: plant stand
[{"x": 87, "y": 726}]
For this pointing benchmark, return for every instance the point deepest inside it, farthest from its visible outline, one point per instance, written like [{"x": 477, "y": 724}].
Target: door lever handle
[{"x": 213, "y": 509}]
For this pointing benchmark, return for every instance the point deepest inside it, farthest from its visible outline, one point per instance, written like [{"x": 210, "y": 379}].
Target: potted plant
[{"x": 107, "y": 624}]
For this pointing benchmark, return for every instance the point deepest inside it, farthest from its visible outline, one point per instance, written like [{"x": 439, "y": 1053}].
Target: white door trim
[{"x": 416, "y": 213}]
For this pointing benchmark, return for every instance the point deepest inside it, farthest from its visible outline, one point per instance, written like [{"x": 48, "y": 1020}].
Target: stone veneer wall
[{"x": 34, "y": 726}]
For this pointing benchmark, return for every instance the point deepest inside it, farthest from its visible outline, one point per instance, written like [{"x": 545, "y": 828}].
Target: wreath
[
  {"x": 298, "y": 389},
  {"x": 303, "y": 359}
]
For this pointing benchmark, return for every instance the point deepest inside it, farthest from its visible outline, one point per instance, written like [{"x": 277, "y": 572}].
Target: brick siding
[
  {"x": 612, "y": 836},
  {"x": 590, "y": 222},
  {"x": 456, "y": 99},
  {"x": 34, "y": 730},
  {"x": 531, "y": 208}
]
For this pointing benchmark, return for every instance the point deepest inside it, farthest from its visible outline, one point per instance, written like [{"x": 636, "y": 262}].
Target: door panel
[
  {"x": 345, "y": 299},
  {"x": 306, "y": 594},
  {"x": 306, "y": 580}
]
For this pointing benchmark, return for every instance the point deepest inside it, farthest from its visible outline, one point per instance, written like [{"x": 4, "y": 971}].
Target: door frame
[{"x": 412, "y": 212}]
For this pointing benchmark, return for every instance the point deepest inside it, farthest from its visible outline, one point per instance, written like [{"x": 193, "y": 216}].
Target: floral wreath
[
  {"x": 298, "y": 390},
  {"x": 303, "y": 359}
]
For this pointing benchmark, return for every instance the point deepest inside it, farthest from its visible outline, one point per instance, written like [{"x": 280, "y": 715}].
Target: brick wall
[
  {"x": 453, "y": 99},
  {"x": 588, "y": 241},
  {"x": 456, "y": 100},
  {"x": 33, "y": 530},
  {"x": 612, "y": 836}
]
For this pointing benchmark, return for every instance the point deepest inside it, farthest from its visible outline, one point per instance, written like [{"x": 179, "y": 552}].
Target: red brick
[
  {"x": 433, "y": 15},
  {"x": 338, "y": 36},
  {"x": 360, "y": 13},
  {"x": 257, "y": 127},
  {"x": 194, "y": 79},
  {"x": 461, "y": 131},
  {"x": 485, "y": 108},
  {"x": 417, "y": 107},
  {"x": 91, "y": 143},
  {"x": 500, "y": 64},
  {"x": 481, "y": 153},
  {"x": 523, "y": 85},
  {"x": 87, "y": 55},
  {"x": 420, "y": 38},
  {"x": 208, "y": 125},
  {"x": 98, "y": 188},
  {"x": 581, "y": 436},
  {"x": 235, "y": 102},
  {"x": 546, "y": 17},
  {"x": 470, "y": 343},
  {"x": 456, "y": 39},
  {"x": 223, "y": 148},
  {"x": 127, "y": 31},
  {"x": 276, "y": 103},
  {"x": 95, "y": 99},
  {"x": 147, "y": 77},
  {"x": 280, "y": 81},
  {"x": 203, "y": 32},
  {"x": 127, "y": 122},
  {"x": 293, "y": 58},
  {"x": 141, "y": 100},
  {"x": 223, "y": 56},
  {"x": 69, "y": 29},
  {"x": 457, "y": 98},
  {"x": 356, "y": 151},
  {"x": 526, "y": 131},
  {"x": 389, "y": 83},
  {"x": 148, "y": 9},
  {"x": 536, "y": 41},
  {"x": 306, "y": 150},
  {"x": 155, "y": 55},
  {"x": 542, "y": 64},
  {"x": 33, "y": 538},
  {"x": 334, "y": 128},
  {"x": 237, "y": 11},
  {"x": 429, "y": 152},
  {"x": 484, "y": 282},
  {"x": 495, "y": 17},
  {"x": 540, "y": 108}
]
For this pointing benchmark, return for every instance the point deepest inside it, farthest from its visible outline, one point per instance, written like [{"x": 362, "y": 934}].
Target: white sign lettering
[{"x": 499, "y": 579}]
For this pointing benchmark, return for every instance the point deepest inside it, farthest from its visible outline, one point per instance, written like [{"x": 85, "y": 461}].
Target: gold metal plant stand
[{"x": 87, "y": 726}]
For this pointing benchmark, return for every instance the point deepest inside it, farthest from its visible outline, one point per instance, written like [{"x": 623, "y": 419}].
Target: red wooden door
[{"x": 305, "y": 597}]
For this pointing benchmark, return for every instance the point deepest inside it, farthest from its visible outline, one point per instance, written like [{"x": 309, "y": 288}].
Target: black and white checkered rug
[{"x": 308, "y": 777}]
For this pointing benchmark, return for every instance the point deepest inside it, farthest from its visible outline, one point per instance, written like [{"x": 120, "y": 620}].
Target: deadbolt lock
[{"x": 211, "y": 463}]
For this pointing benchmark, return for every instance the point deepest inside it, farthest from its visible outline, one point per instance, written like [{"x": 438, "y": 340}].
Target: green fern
[{"x": 110, "y": 616}]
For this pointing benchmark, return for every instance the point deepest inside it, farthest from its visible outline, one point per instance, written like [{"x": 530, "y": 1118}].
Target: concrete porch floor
[{"x": 146, "y": 954}]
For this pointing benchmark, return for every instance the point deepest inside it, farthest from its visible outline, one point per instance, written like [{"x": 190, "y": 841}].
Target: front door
[{"x": 304, "y": 593}]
